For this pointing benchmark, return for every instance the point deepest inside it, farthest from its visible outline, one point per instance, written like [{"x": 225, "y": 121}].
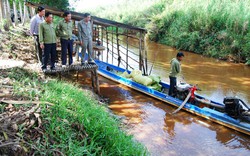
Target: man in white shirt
[{"x": 34, "y": 30}]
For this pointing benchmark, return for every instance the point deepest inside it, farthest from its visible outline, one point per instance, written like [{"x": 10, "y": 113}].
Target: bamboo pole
[
  {"x": 140, "y": 52},
  {"x": 8, "y": 14},
  {"x": 31, "y": 11},
  {"x": 92, "y": 26},
  {"x": 98, "y": 33},
  {"x": 146, "y": 54},
  {"x": 5, "y": 9},
  {"x": 102, "y": 39},
  {"x": 127, "y": 51},
  {"x": 118, "y": 47},
  {"x": 2, "y": 16},
  {"x": 15, "y": 13},
  {"x": 107, "y": 38},
  {"x": 25, "y": 14},
  {"x": 21, "y": 11},
  {"x": 112, "y": 44},
  {"x": 143, "y": 54}
]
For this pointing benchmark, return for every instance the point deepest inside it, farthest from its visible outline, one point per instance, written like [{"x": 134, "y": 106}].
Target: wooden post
[
  {"x": 143, "y": 54},
  {"x": 146, "y": 54},
  {"x": 8, "y": 6},
  {"x": 107, "y": 38},
  {"x": 97, "y": 82},
  {"x": 77, "y": 75},
  {"x": 15, "y": 13},
  {"x": 95, "y": 34},
  {"x": 1, "y": 11},
  {"x": 102, "y": 39},
  {"x": 8, "y": 17},
  {"x": 92, "y": 24},
  {"x": 92, "y": 79},
  {"x": 118, "y": 49},
  {"x": 112, "y": 40},
  {"x": 25, "y": 14},
  {"x": 140, "y": 52},
  {"x": 21, "y": 11},
  {"x": 127, "y": 51},
  {"x": 4, "y": 9},
  {"x": 31, "y": 11},
  {"x": 98, "y": 33}
]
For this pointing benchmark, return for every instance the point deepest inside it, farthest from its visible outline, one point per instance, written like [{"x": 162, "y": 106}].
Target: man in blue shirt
[{"x": 34, "y": 30}]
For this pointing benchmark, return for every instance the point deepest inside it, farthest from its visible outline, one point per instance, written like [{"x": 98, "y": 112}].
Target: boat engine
[
  {"x": 182, "y": 90},
  {"x": 234, "y": 107}
]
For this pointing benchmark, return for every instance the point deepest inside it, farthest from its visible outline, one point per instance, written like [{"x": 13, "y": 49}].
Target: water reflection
[
  {"x": 151, "y": 123},
  {"x": 211, "y": 74}
]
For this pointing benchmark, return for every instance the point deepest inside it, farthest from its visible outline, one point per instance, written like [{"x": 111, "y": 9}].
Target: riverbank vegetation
[
  {"x": 54, "y": 117},
  {"x": 218, "y": 29},
  {"x": 44, "y": 116}
]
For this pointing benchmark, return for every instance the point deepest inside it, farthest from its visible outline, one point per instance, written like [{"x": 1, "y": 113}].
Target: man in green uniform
[
  {"x": 47, "y": 39},
  {"x": 174, "y": 71},
  {"x": 64, "y": 31}
]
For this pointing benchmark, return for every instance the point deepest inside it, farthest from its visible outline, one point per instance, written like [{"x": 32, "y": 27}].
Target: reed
[{"x": 214, "y": 28}]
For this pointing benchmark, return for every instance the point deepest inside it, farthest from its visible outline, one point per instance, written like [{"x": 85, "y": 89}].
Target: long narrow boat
[{"x": 110, "y": 71}]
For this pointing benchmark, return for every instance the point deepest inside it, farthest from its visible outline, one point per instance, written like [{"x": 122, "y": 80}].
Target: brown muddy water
[{"x": 149, "y": 121}]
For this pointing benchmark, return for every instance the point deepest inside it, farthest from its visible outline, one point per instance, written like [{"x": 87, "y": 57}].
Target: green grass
[
  {"x": 75, "y": 113},
  {"x": 213, "y": 28}
]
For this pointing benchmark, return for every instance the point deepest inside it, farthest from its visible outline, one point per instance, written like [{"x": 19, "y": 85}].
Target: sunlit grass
[{"x": 76, "y": 124}]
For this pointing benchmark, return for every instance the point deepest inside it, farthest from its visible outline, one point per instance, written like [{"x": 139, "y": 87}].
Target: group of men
[{"x": 45, "y": 34}]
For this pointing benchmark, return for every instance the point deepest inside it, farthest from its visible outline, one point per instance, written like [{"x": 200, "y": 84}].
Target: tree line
[{"x": 13, "y": 12}]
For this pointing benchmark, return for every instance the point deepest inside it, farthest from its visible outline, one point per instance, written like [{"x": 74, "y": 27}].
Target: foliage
[
  {"x": 76, "y": 124},
  {"x": 60, "y": 4},
  {"x": 213, "y": 28}
]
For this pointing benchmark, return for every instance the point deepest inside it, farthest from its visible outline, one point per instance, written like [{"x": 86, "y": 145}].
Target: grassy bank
[
  {"x": 73, "y": 124},
  {"x": 214, "y": 28}
]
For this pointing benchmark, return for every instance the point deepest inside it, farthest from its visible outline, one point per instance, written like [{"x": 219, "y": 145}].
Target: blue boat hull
[{"x": 204, "y": 112}]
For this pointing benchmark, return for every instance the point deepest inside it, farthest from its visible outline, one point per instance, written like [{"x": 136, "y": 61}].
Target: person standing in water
[{"x": 175, "y": 69}]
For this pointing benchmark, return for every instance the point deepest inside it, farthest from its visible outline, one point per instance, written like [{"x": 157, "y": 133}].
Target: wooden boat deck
[{"x": 89, "y": 67}]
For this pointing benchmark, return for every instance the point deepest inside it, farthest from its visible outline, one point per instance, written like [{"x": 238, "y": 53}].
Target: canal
[{"x": 150, "y": 122}]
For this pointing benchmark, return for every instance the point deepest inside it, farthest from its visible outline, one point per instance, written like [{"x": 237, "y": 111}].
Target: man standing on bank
[
  {"x": 85, "y": 37},
  {"x": 64, "y": 31},
  {"x": 34, "y": 30},
  {"x": 174, "y": 71},
  {"x": 47, "y": 39}
]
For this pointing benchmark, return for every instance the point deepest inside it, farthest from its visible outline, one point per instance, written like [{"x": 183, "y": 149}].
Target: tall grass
[
  {"x": 76, "y": 124},
  {"x": 210, "y": 27},
  {"x": 133, "y": 12}
]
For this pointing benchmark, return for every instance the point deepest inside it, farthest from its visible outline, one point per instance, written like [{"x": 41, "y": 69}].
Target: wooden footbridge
[{"x": 124, "y": 45}]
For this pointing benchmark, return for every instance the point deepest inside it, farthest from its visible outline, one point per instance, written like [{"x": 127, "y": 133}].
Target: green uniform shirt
[
  {"x": 175, "y": 67},
  {"x": 47, "y": 34},
  {"x": 64, "y": 29}
]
